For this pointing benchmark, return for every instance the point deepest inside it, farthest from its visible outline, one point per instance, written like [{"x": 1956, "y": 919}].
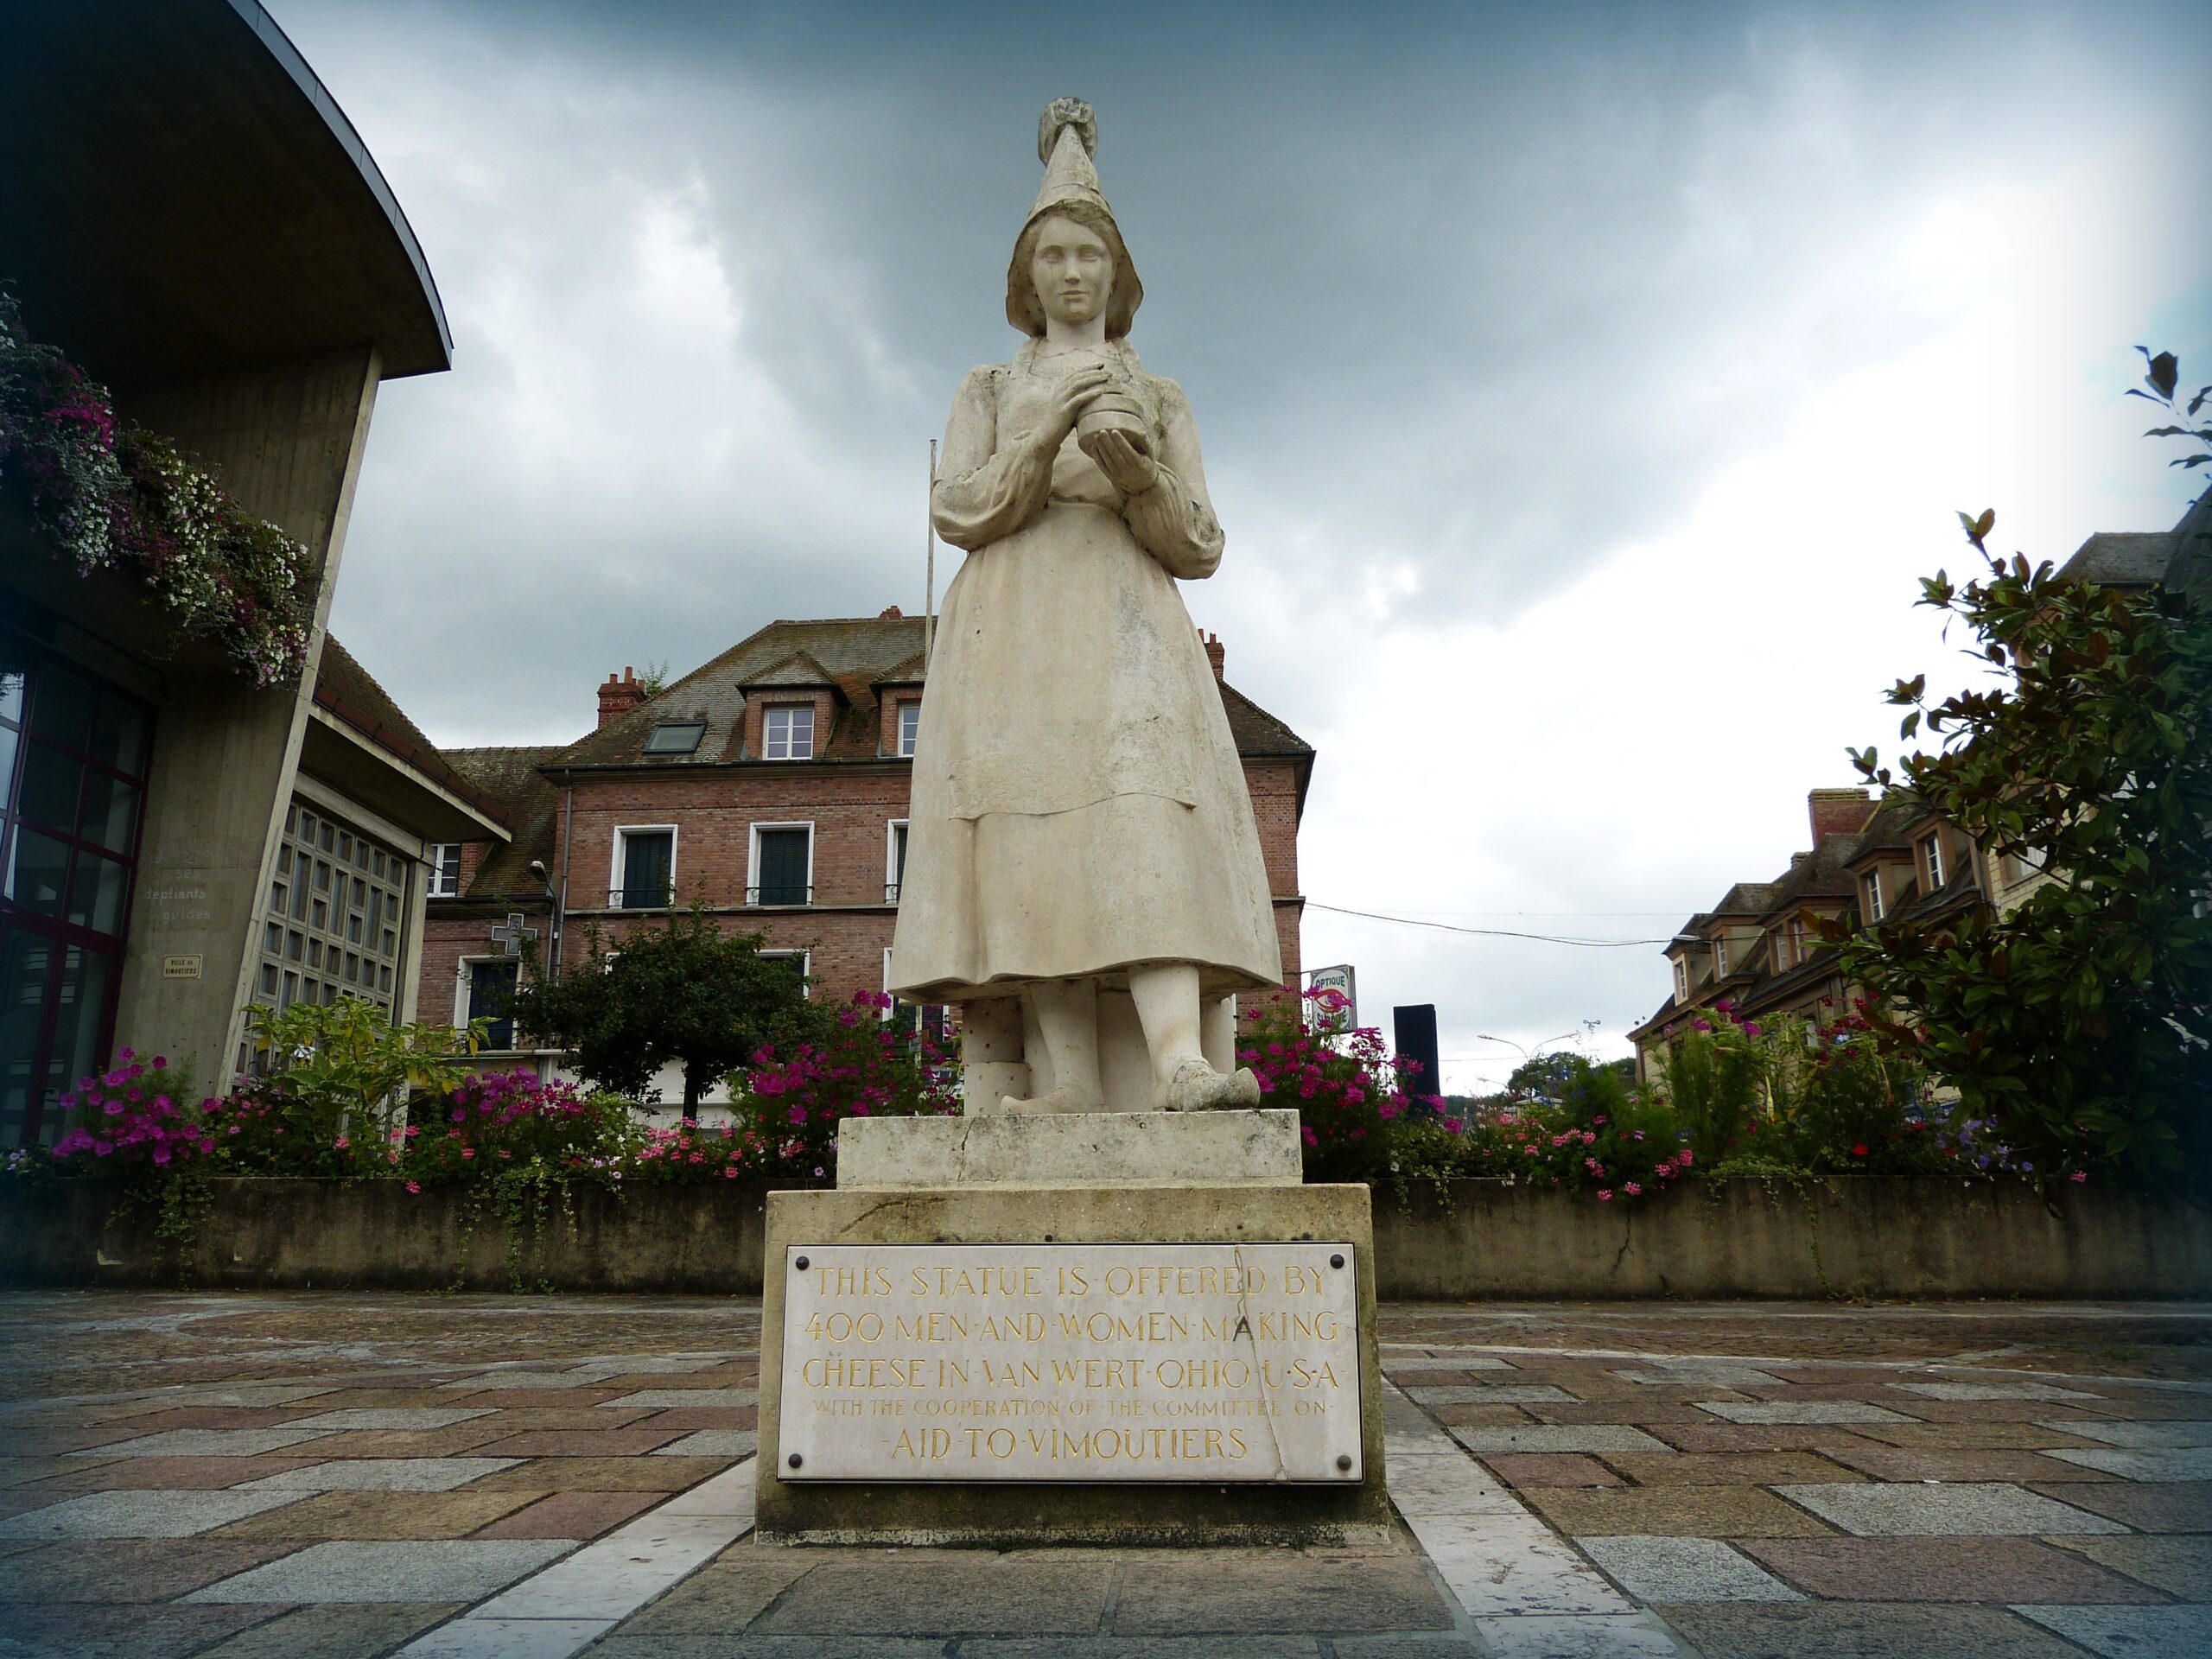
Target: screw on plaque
[
  {"x": 794, "y": 1459},
  {"x": 1344, "y": 1461},
  {"x": 800, "y": 1264},
  {"x": 1334, "y": 1261}
]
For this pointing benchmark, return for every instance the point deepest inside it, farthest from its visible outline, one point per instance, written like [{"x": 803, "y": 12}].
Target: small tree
[
  {"x": 682, "y": 991},
  {"x": 2081, "y": 1021}
]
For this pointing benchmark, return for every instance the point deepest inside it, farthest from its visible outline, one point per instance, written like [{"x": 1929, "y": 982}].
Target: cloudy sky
[{"x": 1583, "y": 387}]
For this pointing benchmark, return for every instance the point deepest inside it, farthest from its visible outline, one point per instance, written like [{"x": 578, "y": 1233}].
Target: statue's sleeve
[
  {"x": 982, "y": 492},
  {"x": 1174, "y": 520}
]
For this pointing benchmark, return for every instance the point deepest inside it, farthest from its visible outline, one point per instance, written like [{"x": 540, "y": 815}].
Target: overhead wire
[{"x": 1484, "y": 932}]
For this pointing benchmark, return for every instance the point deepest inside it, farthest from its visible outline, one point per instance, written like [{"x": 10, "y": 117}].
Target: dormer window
[
  {"x": 1681, "y": 979},
  {"x": 787, "y": 733},
  {"x": 910, "y": 726},
  {"x": 1931, "y": 862},
  {"x": 1870, "y": 887},
  {"x": 1720, "y": 957},
  {"x": 676, "y": 737}
]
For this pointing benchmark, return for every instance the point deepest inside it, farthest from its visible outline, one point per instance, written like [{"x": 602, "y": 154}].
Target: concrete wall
[{"x": 1482, "y": 1240}]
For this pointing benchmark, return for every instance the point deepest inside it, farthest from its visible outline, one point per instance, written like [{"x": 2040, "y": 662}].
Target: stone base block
[
  {"x": 1075, "y": 1149},
  {"x": 828, "y": 1226}
]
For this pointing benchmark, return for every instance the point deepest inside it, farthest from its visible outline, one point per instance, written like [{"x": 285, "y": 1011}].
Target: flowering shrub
[
  {"x": 500, "y": 1120},
  {"x": 112, "y": 497},
  {"x": 863, "y": 1065},
  {"x": 1343, "y": 1085},
  {"x": 139, "y": 1113}
]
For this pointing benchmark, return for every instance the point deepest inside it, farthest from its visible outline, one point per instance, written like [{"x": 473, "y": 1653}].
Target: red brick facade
[{"x": 573, "y": 803}]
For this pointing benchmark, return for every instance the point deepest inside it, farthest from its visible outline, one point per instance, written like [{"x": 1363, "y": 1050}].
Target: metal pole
[{"x": 929, "y": 578}]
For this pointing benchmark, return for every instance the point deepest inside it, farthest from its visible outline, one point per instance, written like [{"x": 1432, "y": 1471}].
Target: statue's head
[{"x": 1070, "y": 254}]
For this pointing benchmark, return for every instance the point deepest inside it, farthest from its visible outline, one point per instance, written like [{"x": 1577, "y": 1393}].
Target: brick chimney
[
  {"x": 1214, "y": 652},
  {"x": 1839, "y": 811},
  {"x": 889, "y": 614},
  {"x": 618, "y": 697}
]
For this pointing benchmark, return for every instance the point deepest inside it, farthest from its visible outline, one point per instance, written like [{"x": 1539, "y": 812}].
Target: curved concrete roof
[{"x": 185, "y": 197}]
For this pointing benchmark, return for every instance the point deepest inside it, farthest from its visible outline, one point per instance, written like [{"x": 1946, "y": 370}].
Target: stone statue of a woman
[{"x": 1080, "y": 840}]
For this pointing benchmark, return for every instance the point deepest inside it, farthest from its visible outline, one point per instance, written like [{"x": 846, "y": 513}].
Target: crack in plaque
[{"x": 1259, "y": 1369}]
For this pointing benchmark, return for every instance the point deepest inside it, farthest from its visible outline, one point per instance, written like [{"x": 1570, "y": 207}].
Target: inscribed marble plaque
[{"x": 1070, "y": 1362}]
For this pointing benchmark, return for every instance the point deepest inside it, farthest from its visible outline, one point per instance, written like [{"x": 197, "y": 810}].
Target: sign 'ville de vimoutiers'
[{"x": 1071, "y": 1363}]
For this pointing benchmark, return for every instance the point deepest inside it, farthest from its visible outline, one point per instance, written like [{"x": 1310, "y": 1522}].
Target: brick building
[{"x": 769, "y": 786}]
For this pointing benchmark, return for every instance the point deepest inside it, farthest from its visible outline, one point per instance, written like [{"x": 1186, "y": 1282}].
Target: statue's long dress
[{"x": 1078, "y": 806}]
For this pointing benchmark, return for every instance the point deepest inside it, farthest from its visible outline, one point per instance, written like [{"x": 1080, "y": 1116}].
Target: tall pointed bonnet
[{"x": 1067, "y": 137}]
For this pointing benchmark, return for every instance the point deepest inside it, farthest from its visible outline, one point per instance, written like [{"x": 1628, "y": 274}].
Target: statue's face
[{"x": 1073, "y": 269}]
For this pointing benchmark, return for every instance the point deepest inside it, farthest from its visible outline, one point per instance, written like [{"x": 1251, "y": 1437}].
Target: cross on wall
[{"x": 510, "y": 937}]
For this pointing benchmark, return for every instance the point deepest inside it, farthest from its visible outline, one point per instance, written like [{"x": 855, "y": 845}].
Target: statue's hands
[
  {"x": 1128, "y": 467},
  {"x": 1068, "y": 400}
]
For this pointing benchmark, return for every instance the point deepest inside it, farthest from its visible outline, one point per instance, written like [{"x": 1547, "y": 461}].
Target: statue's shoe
[
  {"x": 1063, "y": 1099},
  {"x": 1196, "y": 1087}
]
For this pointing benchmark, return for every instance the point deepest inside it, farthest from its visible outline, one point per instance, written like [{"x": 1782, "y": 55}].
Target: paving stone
[
  {"x": 1969, "y": 1437},
  {"x": 141, "y": 1514},
  {"x": 1539, "y": 1437},
  {"x": 1876, "y": 1509},
  {"x": 1991, "y": 1391},
  {"x": 1483, "y": 1394},
  {"x": 1678, "y": 1511},
  {"x": 2167, "y": 1506},
  {"x": 210, "y": 1442},
  {"x": 1450, "y": 1486},
  {"x": 1347, "y": 1647},
  {"x": 394, "y": 1417},
  {"x": 2141, "y": 1436},
  {"x": 1557, "y": 1469},
  {"x": 460, "y": 1569},
  {"x": 77, "y": 1631},
  {"x": 664, "y": 1398},
  {"x": 17, "y": 1471},
  {"x": 1297, "y": 1593},
  {"x": 1485, "y": 1416},
  {"x": 1831, "y": 1629},
  {"x": 1628, "y": 1635},
  {"x": 1496, "y": 1566},
  {"x": 1462, "y": 1359},
  {"x": 661, "y": 1474},
  {"x": 168, "y": 1474},
  {"x": 1940, "y": 1569},
  {"x": 712, "y": 1443},
  {"x": 384, "y": 1475},
  {"x": 478, "y": 1637},
  {"x": 950, "y": 1591},
  {"x": 727, "y": 1594},
  {"x": 2192, "y": 1463},
  {"x": 2180, "y": 1567},
  {"x": 582, "y": 1442},
  {"x": 1725, "y": 1468},
  {"x": 771, "y": 1647},
  {"x": 1802, "y": 1411},
  {"x": 2046, "y": 1412},
  {"x": 384, "y": 1515},
  {"x": 1641, "y": 1412},
  {"x": 2132, "y": 1632},
  {"x": 124, "y": 1570},
  {"x": 623, "y": 1571},
  {"x": 1722, "y": 1373},
  {"x": 1683, "y": 1569},
  {"x": 1907, "y": 1463},
  {"x": 564, "y": 1515},
  {"x": 335, "y": 1631},
  {"x": 461, "y": 1439},
  {"x": 1710, "y": 1436}
]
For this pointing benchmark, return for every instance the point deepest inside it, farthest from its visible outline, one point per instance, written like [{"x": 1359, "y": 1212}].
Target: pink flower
[
  {"x": 1632, "y": 1188},
  {"x": 414, "y": 1186},
  {"x": 1604, "y": 1195},
  {"x": 1312, "y": 1138},
  {"x": 2079, "y": 1176}
]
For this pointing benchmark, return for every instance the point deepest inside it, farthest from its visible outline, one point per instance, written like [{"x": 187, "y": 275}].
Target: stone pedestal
[{"x": 984, "y": 1302}]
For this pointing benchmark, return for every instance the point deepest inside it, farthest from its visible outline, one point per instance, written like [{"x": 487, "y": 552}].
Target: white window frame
[
  {"x": 462, "y": 977},
  {"x": 893, "y": 877},
  {"x": 1720, "y": 956},
  {"x": 1681, "y": 979},
  {"x": 1931, "y": 859},
  {"x": 1781, "y": 963},
  {"x": 622, "y": 833},
  {"x": 901, "y": 745},
  {"x": 753, "y": 862},
  {"x": 1870, "y": 889},
  {"x": 801, "y": 954},
  {"x": 768, "y": 714},
  {"x": 433, "y": 856},
  {"x": 1794, "y": 931}
]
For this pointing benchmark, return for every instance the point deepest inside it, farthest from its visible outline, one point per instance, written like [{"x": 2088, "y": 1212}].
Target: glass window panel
[
  {"x": 345, "y": 848},
  {"x": 279, "y": 895},
  {"x": 910, "y": 726},
  {"x": 782, "y": 866},
  {"x": 111, "y": 812},
  {"x": 284, "y": 859},
  {"x": 119, "y": 735},
  {"x": 324, "y": 835},
  {"x": 390, "y": 942},
  {"x": 490, "y": 985},
  {"x": 79, "y": 1007},
  {"x": 61, "y": 707},
  {"x": 13, "y": 676},
  {"x": 306, "y": 828},
  {"x": 299, "y": 896},
  {"x": 50, "y": 786},
  {"x": 354, "y": 928},
  {"x": 8, "y": 741},
  {"x": 269, "y": 979},
  {"x": 675, "y": 737},
  {"x": 360, "y": 892},
  {"x": 376, "y": 867},
  {"x": 38, "y": 871},
  {"x": 291, "y": 990},
  {"x": 648, "y": 860},
  {"x": 321, "y": 919},
  {"x": 295, "y": 944},
  {"x": 315, "y": 953},
  {"x": 96, "y": 897},
  {"x": 26, "y": 967},
  {"x": 384, "y": 981},
  {"x": 272, "y": 937}
]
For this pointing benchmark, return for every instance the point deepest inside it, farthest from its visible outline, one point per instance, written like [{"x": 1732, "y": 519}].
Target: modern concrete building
[{"x": 203, "y": 233}]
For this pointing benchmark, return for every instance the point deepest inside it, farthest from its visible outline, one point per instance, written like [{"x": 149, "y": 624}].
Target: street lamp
[{"x": 1527, "y": 1054}]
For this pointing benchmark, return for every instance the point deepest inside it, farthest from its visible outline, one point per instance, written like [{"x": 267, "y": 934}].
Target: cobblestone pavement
[{"x": 347, "y": 1476}]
